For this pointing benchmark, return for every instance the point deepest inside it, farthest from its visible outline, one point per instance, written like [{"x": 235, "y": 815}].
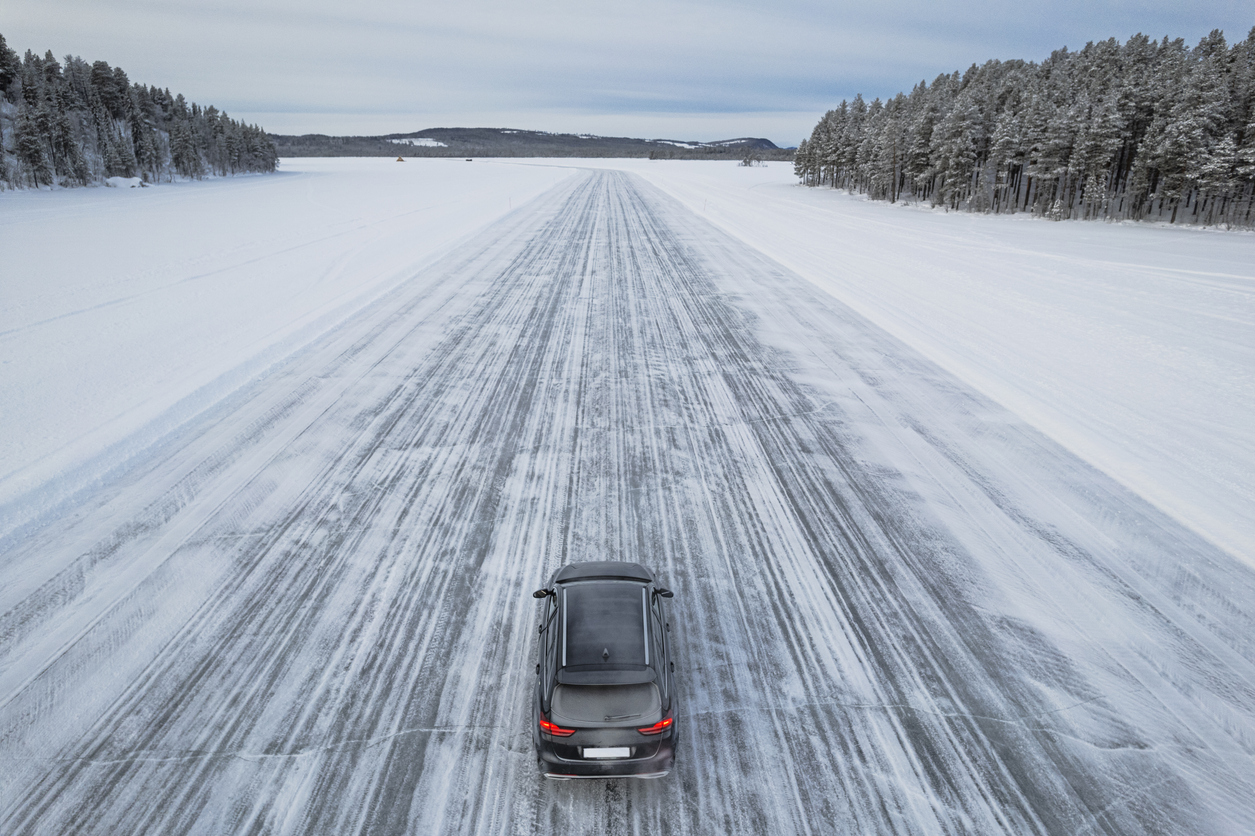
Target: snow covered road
[{"x": 899, "y": 609}]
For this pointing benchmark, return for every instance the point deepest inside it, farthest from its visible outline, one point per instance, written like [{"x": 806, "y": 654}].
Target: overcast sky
[{"x": 679, "y": 70}]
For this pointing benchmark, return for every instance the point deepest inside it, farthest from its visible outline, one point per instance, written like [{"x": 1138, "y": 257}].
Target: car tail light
[
  {"x": 659, "y": 727},
  {"x": 550, "y": 728}
]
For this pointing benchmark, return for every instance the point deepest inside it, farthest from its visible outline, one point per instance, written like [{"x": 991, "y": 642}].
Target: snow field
[{"x": 123, "y": 312}]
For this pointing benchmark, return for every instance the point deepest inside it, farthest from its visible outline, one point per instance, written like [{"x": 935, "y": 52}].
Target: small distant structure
[{"x": 400, "y": 159}]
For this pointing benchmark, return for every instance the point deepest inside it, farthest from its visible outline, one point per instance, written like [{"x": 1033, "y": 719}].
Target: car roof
[{"x": 603, "y": 569}]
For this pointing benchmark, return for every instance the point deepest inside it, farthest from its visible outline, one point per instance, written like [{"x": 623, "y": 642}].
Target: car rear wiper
[{"x": 609, "y": 718}]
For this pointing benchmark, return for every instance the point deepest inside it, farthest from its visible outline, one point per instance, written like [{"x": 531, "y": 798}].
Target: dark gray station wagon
[{"x": 605, "y": 700}]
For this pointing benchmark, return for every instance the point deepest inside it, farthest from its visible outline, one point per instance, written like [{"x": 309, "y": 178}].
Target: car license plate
[{"x": 612, "y": 752}]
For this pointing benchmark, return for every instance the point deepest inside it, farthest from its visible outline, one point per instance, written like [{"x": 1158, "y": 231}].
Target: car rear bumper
[{"x": 655, "y": 766}]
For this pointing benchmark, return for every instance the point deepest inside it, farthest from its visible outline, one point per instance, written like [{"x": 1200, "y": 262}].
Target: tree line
[
  {"x": 1145, "y": 130},
  {"x": 76, "y": 123}
]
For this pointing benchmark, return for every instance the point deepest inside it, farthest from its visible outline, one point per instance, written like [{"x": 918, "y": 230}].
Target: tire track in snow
[{"x": 327, "y": 627}]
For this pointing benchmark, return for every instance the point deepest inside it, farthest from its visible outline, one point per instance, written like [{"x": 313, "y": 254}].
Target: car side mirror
[
  {"x": 542, "y": 593},
  {"x": 665, "y": 593}
]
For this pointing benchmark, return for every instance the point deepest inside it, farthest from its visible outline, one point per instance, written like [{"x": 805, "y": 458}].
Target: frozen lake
[{"x": 280, "y": 473}]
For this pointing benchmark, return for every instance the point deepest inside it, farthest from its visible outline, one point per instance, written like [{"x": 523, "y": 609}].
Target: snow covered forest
[
  {"x": 80, "y": 123},
  {"x": 1143, "y": 130}
]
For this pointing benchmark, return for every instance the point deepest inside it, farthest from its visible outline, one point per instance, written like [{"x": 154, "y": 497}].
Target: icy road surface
[{"x": 898, "y": 608}]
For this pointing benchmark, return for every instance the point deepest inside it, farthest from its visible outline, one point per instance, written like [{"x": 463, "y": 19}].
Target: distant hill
[{"x": 506, "y": 142}]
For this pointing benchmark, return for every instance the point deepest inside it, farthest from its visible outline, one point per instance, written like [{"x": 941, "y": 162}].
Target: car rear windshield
[
  {"x": 602, "y": 706},
  {"x": 605, "y": 624}
]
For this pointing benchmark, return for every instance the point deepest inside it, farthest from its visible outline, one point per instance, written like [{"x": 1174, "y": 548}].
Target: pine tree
[
  {"x": 10, "y": 67},
  {"x": 955, "y": 140},
  {"x": 801, "y": 160},
  {"x": 183, "y": 150},
  {"x": 30, "y": 150}
]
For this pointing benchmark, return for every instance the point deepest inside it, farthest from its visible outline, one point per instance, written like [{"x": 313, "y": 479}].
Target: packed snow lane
[{"x": 898, "y": 609}]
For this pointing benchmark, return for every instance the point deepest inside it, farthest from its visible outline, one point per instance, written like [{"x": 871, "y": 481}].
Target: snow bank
[
  {"x": 125, "y": 182},
  {"x": 125, "y": 312},
  {"x": 1132, "y": 345}
]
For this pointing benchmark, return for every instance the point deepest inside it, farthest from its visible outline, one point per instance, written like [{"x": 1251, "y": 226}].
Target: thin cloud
[{"x": 482, "y": 61}]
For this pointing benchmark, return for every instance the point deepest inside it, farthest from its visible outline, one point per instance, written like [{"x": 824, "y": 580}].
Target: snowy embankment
[
  {"x": 1133, "y": 345},
  {"x": 124, "y": 312}
]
